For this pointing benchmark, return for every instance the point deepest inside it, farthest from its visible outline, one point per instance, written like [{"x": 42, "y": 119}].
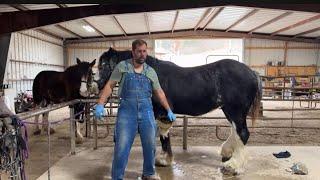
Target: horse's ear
[
  {"x": 78, "y": 61},
  {"x": 93, "y": 63}
]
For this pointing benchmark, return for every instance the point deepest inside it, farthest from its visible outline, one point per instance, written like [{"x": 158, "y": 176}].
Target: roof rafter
[
  {"x": 212, "y": 17},
  {"x": 19, "y": 7},
  {"x": 96, "y": 29},
  {"x": 119, "y": 25},
  {"x": 307, "y": 32},
  {"x": 40, "y": 30},
  {"x": 146, "y": 18},
  {"x": 175, "y": 21},
  {"x": 242, "y": 19},
  {"x": 296, "y": 24},
  {"x": 270, "y": 21},
  {"x": 204, "y": 15},
  {"x": 62, "y": 5},
  {"x": 68, "y": 31}
]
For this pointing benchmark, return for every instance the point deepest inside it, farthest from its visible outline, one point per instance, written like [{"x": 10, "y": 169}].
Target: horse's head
[
  {"x": 87, "y": 79},
  {"x": 107, "y": 62}
]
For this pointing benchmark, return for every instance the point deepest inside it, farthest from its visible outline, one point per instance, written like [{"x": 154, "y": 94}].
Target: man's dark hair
[{"x": 138, "y": 42}]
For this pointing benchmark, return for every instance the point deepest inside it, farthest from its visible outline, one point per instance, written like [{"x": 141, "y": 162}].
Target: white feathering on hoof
[
  {"x": 163, "y": 159},
  {"x": 164, "y": 127}
]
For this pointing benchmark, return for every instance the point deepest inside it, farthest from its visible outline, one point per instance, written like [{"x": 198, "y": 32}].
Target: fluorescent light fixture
[{"x": 88, "y": 28}]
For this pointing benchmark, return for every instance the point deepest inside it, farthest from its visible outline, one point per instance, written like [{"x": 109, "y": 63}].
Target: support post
[
  {"x": 72, "y": 131},
  {"x": 95, "y": 131},
  {"x": 185, "y": 132},
  {"x": 4, "y": 49}
]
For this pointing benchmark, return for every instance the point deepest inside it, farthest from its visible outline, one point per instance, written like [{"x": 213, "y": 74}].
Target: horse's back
[
  {"x": 45, "y": 81},
  {"x": 198, "y": 90}
]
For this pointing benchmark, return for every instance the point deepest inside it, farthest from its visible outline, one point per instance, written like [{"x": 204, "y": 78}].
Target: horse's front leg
[
  {"x": 233, "y": 152},
  {"x": 228, "y": 147},
  {"x": 165, "y": 157},
  {"x": 79, "y": 136}
]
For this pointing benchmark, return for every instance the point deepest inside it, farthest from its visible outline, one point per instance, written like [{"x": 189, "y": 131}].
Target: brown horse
[{"x": 50, "y": 87}]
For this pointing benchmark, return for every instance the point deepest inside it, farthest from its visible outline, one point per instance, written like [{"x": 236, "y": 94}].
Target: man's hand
[
  {"x": 99, "y": 111},
  {"x": 171, "y": 116}
]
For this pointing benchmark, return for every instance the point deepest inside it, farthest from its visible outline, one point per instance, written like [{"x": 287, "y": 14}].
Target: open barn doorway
[{"x": 195, "y": 52}]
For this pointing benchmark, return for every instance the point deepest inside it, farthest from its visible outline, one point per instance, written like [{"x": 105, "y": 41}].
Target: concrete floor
[{"x": 200, "y": 163}]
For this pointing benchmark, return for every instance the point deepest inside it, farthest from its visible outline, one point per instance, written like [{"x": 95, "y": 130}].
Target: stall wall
[
  {"x": 29, "y": 53},
  {"x": 258, "y": 52}
]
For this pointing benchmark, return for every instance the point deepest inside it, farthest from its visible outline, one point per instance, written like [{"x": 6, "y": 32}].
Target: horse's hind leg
[
  {"x": 45, "y": 124},
  {"x": 37, "y": 129},
  {"x": 165, "y": 158},
  {"x": 234, "y": 146}
]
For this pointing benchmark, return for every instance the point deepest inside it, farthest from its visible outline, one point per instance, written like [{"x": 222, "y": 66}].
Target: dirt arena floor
[{"x": 38, "y": 163}]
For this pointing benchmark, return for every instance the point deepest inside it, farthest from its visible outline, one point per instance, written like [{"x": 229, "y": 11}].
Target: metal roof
[{"x": 245, "y": 20}]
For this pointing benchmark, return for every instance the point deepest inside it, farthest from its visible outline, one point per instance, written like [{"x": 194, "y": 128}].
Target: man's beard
[{"x": 140, "y": 61}]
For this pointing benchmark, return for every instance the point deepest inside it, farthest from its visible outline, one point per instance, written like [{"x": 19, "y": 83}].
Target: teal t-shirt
[{"x": 120, "y": 71}]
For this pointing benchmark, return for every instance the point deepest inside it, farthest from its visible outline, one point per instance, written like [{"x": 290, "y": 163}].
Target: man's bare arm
[
  {"x": 106, "y": 92},
  {"x": 162, "y": 98}
]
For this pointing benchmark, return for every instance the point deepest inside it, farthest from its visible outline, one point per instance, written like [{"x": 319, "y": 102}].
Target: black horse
[
  {"x": 194, "y": 91},
  {"x": 50, "y": 87}
]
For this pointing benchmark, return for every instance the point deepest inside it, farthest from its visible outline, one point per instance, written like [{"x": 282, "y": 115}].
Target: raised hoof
[
  {"x": 37, "y": 132},
  {"x": 228, "y": 171},
  {"x": 224, "y": 159}
]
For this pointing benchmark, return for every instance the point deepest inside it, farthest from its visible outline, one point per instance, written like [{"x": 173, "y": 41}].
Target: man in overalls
[{"x": 137, "y": 81}]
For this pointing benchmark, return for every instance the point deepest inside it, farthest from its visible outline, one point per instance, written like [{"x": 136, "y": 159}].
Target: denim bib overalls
[{"x": 135, "y": 114}]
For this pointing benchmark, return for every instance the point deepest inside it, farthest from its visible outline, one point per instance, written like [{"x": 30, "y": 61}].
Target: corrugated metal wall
[
  {"x": 91, "y": 51},
  {"x": 29, "y": 53},
  {"x": 258, "y": 52}
]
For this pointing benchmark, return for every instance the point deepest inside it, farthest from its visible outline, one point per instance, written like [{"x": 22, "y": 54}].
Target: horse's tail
[
  {"x": 36, "y": 94},
  {"x": 255, "y": 107}
]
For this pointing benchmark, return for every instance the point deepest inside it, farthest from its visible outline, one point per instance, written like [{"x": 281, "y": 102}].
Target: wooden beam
[
  {"x": 146, "y": 18},
  {"x": 242, "y": 19},
  {"x": 194, "y": 34},
  {"x": 119, "y": 25},
  {"x": 19, "y": 7},
  {"x": 297, "y": 24},
  {"x": 96, "y": 29},
  {"x": 47, "y": 33},
  {"x": 21, "y": 20},
  {"x": 307, "y": 32},
  {"x": 279, "y": 47},
  {"x": 213, "y": 16},
  {"x": 270, "y": 21},
  {"x": 285, "y": 63},
  {"x": 68, "y": 31},
  {"x": 175, "y": 21},
  {"x": 204, "y": 16},
  {"x": 62, "y": 5}
]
